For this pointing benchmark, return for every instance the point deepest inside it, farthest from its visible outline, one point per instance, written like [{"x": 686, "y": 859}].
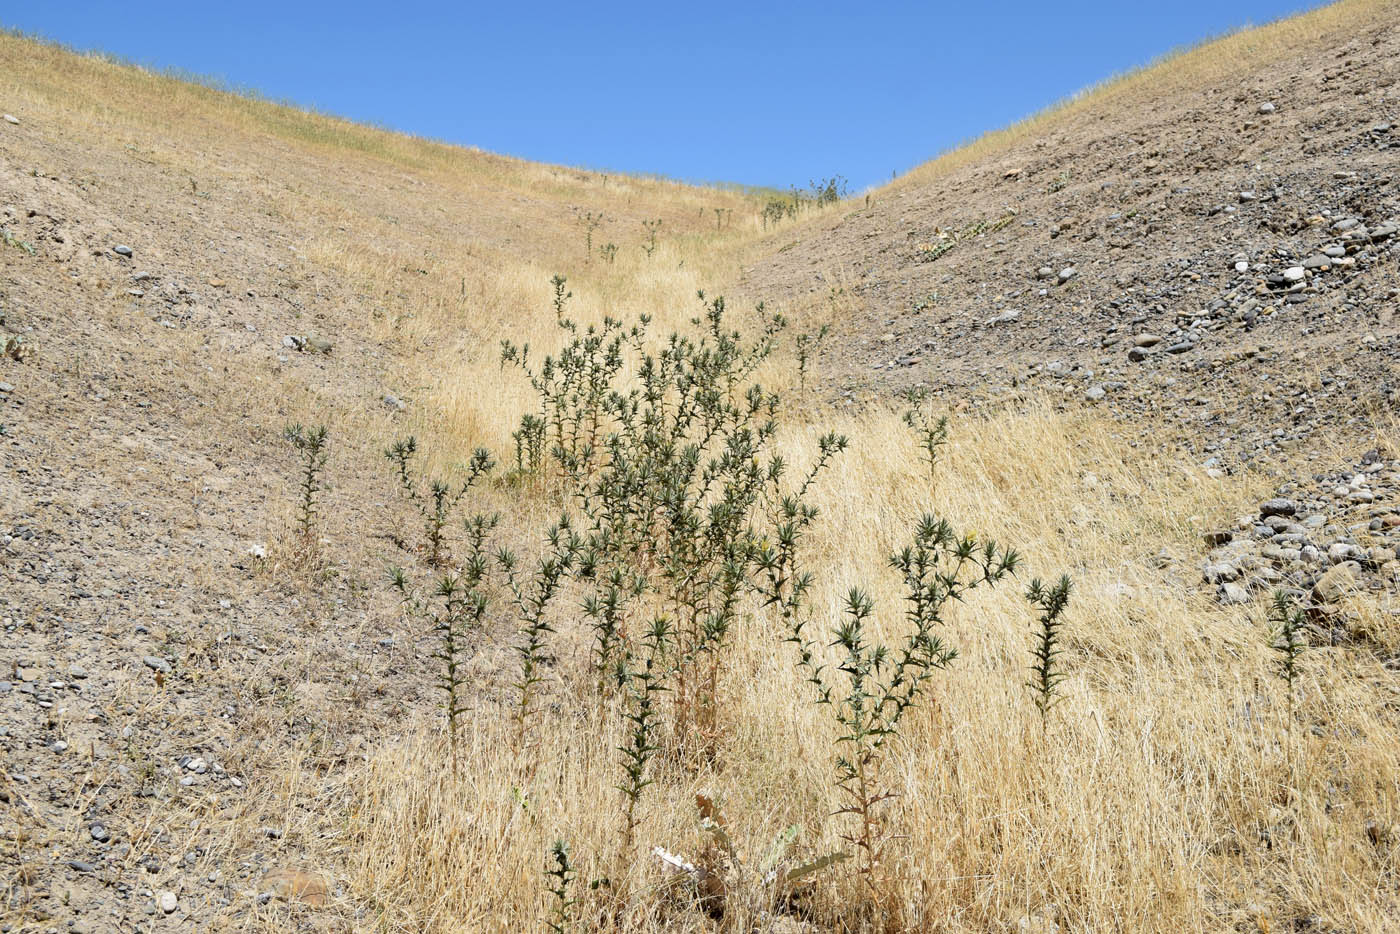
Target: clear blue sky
[{"x": 701, "y": 90}]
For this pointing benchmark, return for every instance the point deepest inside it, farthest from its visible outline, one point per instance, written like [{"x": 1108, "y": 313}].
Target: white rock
[
  {"x": 11, "y": 118},
  {"x": 167, "y": 902},
  {"x": 1295, "y": 273}
]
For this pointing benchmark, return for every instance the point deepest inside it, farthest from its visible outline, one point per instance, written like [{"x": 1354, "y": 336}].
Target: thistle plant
[
  {"x": 1289, "y": 642},
  {"x": 560, "y": 874},
  {"x": 931, "y": 431},
  {"x": 607, "y": 608},
  {"x": 807, "y": 345},
  {"x": 1045, "y": 670},
  {"x": 439, "y": 500},
  {"x": 668, "y": 449},
  {"x": 644, "y": 687},
  {"x": 311, "y": 445},
  {"x": 560, "y": 296},
  {"x": 590, "y": 221},
  {"x": 828, "y": 190},
  {"x": 878, "y": 685},
  {"x": 651, "y": 228},
  {"x": 456, "y": 608},
  {"x": 531, "y": 599}
]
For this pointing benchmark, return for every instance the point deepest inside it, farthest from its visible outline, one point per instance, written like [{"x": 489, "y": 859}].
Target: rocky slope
[{"x": 1226, "y": 256}]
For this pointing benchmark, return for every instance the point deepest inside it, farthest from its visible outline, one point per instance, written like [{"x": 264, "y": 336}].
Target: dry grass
[
  {"x": 1159, "y": 798},
  {"x": 1144, "y": 807}
]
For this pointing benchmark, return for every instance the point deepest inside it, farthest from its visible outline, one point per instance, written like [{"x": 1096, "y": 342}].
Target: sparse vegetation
[
  {"x": 437, "y": 503},
  {"x": 589, "y": 221},
  {"x": 807, "y": 345},
  {"x": 311, "y": 445},
  {"x": 1046, "y": 673},
  {"x": 651, "y": 227},
  {"x": 930, "y": 429},
  {"x": 878, "y": 685},
  {"x": 456, "y": 610},
  {"x": 561, "y": 874},
  {"x": 698, "y": 497}
]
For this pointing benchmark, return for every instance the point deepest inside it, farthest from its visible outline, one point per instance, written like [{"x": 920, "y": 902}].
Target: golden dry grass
[
  {"x": 1159, "y": 797},
  {"x": 1143, "y": 807}
]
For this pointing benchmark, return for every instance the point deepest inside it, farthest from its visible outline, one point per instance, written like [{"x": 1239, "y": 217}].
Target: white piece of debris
[{"x": 11, "y": 118}]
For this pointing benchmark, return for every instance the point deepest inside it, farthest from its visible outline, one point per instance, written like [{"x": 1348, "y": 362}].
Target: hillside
[
  {"x": 211, "y": 722},
  {"x": 1203, "y": 241}
]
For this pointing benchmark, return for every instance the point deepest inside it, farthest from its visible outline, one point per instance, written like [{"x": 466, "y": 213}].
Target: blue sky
[{"x": 761, "y": 94}]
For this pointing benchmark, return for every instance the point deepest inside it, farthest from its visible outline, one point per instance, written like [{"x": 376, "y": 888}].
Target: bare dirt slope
[
  {"x": 168, "y": 251},
  {"x": 1221, "y": 250}
]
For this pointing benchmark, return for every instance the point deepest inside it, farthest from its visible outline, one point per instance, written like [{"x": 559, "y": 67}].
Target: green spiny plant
[
  {"x": 828, "y": 190},
  {"x": 608, "y": 251},
  {"x": 1045, "y": 670},
  {"x": 931, "y": 431},
  {"x": 590, "y": 221},
  {"x": 644, "y": 685},
  {"x": 1289, "y": 643},
  {"x": 532, "y": 599},
  {"x": 651, "y": 228},
  {"x": 436, "y": 504},
  {"x": 879, "y": 684},
  {"x": 456, "y": 608},
  {"x": 560, "y": 875},
  {"x": 807, "y": 345},
  {"x": 560, "y": 297},
  {"x": 607, "y": 608},
  {"x": 310, "y": 443},
  {"x": 668, "y": 450}
]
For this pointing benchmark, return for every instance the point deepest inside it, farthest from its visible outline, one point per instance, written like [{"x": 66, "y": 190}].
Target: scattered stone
[
  {"x": 1068, "y": 273},
  {"x": 394, "y": 402},
  {"x": 295, "y": 885},
  {"x": 1146, "y": 340},
  {"x": 1232, "y": 593},
  {"x": 11, "y": 118},
  {"x": 1278, "y": 507},
  {"x": 314, "y": 343},
  {"x": 122, "y": 249},
  {"x": 156, "y": 663},
  {"x": 1219, "y": 573},
  {"x": 167, "y": 902},
  {"x": 1335, "y": 584},
  {"x": 1095, "y": 393},
  {"x": 1267, "y": 108}
]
